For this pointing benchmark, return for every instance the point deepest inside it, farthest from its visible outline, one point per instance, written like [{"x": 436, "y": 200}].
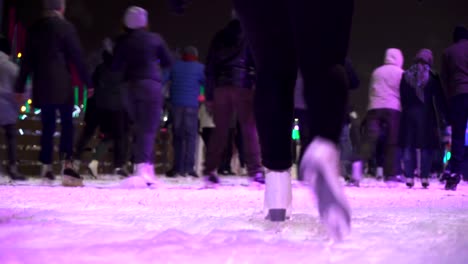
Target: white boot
[
  {"x": 145, "y": 171},
  {"x": 379, "y": 174},
  {"x": 93, "y": 168},
  {"x": 321, "y": 168},
  {"x": 278, "y": 194},
  {"x": 356, "y": 174},
  {"x": 150, "y": 175}
]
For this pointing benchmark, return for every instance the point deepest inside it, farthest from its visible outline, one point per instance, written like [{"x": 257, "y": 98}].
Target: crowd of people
[{"x": 249, "y": 95}]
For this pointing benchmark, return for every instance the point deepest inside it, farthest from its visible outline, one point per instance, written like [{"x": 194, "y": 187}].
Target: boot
[
  {"x": 47, "y": 172},
  {"x": 425, "y": 182},
  {"x": 93, "y": 168},
  {"x": 146, "y": 171},
  {"x": 451, "y": 181},
  {"x": 278, "y": 195},
  {"x": 410, "y": 182},
  {"x": 211, "y": 178},
  {"x": 356, "y": 175},
  {"x": 14, "y": 173},
  {"x": 320, "y": 167},
  {"x": 70, "y": 177}
]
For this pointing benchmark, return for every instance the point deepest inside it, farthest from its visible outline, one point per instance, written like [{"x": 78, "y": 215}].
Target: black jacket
[
  {"x": 109, "y": 86},
  {"x": 421, "y": 122},
  {"x": 52, "y": 47},
  {"x": 229, "y": 61},
  {"x": 141, "y": 55}
]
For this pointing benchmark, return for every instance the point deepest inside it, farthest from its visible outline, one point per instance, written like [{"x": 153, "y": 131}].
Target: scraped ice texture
[{"x": 181, "y": 223}]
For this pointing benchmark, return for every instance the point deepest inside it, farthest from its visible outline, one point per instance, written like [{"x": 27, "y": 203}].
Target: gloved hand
[{"x": 178, "y": 6}]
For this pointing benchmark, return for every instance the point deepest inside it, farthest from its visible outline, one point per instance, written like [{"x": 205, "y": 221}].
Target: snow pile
[{"x": 180, "y": 222}]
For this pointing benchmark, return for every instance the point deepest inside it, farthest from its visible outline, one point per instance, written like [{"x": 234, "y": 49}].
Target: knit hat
[
  {"x": 5, "y": 45},
  {"x": 136, "y": 17},
  {"x": 460, "y": 33},
  {"x": 425, "y": 56},
  {"x": 191, "y": 50},
  {"x": 53, "y": 4}
]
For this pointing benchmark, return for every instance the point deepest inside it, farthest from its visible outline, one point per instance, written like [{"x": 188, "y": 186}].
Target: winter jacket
[
  {"x": 454, "y": 72},
  {"x": 8, "y": 106},
  {"x": 109, "y": 86},
  {"x": 186, "y": 79},
  {"x": 384, "y": 92},
  {"x": 229, "y": 61},
  {"x": 421, "y": 121},
  {"x": 52, "y": 47},
  {"x": 140, "y": 55}
]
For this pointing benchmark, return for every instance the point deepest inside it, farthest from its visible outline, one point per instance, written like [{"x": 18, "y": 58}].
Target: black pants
[
  {"x": 91, "y": 121},
  {"x": 229, "y": 102},
  {"x": 458, "y": 118},
  {"x": 114, "y": 123},
  {"x": 48, "y": 118},
  {"x": 10, "y": 140},
  {"x": 383, "y": 121},
  {"x": 287, "y": 35}
]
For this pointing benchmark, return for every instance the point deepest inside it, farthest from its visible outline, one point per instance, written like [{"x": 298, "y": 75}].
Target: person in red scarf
[{"x": 186, "y": 77}]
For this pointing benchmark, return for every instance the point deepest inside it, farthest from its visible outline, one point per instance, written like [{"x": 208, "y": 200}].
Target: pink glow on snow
[{"x": 181, "y": 223}]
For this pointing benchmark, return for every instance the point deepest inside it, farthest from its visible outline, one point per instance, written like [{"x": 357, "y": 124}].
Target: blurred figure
[
  {"x": 9, "y": 107},
  {"x": 311, "y": 36},
  {"x": 52, "y": 46},
  {"x": 141, "y": 56},
  {"x": 423, "y": 105},
  {"x": 454, "y": 76},
  {"x": 187, "y": 76},
  {"x": 383, "y": 117},
  {"x": 230, "y": 94},
  {"x": 112, "y": 111}
]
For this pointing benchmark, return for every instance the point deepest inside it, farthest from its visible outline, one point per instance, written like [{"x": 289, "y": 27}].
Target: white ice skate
[
  {"x": 278, "y": 195},
  {"x": 321, "y": 168},
  {"x": 142, "y": 177},
  {"x": 93, "y": 168}
]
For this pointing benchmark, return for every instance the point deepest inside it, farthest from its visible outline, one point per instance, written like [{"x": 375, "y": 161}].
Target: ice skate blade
[
  {"x": 276, "y": 215},
  {"x": 69, "y": 181}
]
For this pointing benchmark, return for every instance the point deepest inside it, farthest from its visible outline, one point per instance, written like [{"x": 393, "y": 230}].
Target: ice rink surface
[{"x": 180, "y": 222}]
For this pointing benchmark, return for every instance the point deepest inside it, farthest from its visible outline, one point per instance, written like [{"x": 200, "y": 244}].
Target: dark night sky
[{"x": 378, "y": 24}]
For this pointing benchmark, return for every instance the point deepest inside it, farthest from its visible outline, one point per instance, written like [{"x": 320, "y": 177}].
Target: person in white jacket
[{"x": 383, "y": 116}]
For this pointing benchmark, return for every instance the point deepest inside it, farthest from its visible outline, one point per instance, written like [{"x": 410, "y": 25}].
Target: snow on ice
[{"x": 180, "y": 222}]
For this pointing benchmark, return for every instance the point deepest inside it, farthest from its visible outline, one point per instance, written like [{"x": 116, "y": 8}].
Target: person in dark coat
[
  {"x": 423, "y": 107},
  {"x": 106, "y": 111},
  {"x": 9, "y": 107},
  {"x": 230, "y": 94},
  {"x": 454, "y": 75},
  {"x": 52, "y": 47},
  {"x": 142, "y": 55}
]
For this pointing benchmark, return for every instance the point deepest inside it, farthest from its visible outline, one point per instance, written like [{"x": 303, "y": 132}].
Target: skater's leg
[
  {"x": 426, "y": 163},
  {"x": 190, "y": 135},
  {"x": 268, "y": 28},
  {"x": 248, "y": 129},
  {"x": 66, "y": 137},
  {"x": 178, "y": 114},
  {"x": 48, "y": 116},
  {"x": 91, "y": 122},
  {"x": 409, "y": 159},
  {"x": 322, "y": 32},
  {"x": 459, "y": 116},
  {"x": 391, "y": 163},
  {"x": 223, "y": 112}
]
